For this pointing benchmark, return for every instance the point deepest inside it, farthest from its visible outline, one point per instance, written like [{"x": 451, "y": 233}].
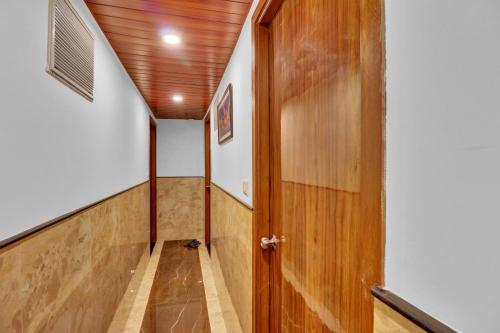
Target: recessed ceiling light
[
  {"x": 177, "y": 98},
  {"x": 171, "y": 39}
]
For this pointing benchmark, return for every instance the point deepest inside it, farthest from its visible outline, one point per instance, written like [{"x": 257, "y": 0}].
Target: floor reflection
[{"x": 177, "y": 302}]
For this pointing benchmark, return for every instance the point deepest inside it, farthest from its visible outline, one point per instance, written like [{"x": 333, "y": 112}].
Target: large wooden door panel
[{"x": 325, "y": 160}]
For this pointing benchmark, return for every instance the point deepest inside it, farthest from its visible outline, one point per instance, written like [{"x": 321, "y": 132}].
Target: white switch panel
[{"x": 245, "y": 187}]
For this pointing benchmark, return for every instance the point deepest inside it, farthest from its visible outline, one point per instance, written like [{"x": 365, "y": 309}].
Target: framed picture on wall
[{"x": 225, "y": 115}]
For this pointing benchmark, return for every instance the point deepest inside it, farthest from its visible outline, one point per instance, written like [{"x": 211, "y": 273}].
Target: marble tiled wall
[
  {"x": 71, "y": 277},
  {"x": 180, "y": 208},
  {"x": 231, "y": 244}
]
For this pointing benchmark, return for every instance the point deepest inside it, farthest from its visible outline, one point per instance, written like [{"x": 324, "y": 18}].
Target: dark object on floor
[{"x": 193, "y": 244}]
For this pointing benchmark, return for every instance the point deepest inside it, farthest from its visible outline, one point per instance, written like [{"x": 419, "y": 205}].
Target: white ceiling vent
[{"x": 71, "y": 48}]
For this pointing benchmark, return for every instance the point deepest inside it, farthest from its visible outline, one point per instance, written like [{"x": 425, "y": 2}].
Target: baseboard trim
[
  {"x": 410, "y": 312},
  {"x": 30, "y": 232},
  {"x": 157, "y": 177}
]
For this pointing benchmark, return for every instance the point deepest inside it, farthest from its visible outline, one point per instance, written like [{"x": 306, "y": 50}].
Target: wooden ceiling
[{"x": 208, "y": 30}]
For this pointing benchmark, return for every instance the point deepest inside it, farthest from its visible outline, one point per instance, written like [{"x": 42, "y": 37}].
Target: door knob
[{"x": 266, "y": 243}]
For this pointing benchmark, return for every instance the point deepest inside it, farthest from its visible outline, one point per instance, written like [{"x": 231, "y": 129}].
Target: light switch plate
[{"x": 245, "y": 187}]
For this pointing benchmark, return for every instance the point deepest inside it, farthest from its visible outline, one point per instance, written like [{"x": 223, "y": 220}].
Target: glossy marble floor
[{"x": 177, "y": 302}]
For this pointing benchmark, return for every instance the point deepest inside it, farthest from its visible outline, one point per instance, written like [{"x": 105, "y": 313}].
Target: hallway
[{"x": 249, "y": 166}]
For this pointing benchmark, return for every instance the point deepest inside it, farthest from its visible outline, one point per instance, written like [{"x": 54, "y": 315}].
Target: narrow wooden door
[
  {"x": 152, "y": 183},
  {"x": 325, "y": 166},
  {"x": 207, "y": 180}
]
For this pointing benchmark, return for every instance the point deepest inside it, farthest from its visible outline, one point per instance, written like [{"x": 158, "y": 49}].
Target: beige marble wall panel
[
  {"x": 180, "y": 208},
  {"x": 231, "y": 239},
  {"x": 386, "y": 320},
  {"x": 71, "y": 277}
]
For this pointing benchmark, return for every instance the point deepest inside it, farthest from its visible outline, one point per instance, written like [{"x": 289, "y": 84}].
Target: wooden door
[
  {"x": 152, "y": 182},
  {"x": 324, "y": 73},
  {"x": 207, "y": 180}
]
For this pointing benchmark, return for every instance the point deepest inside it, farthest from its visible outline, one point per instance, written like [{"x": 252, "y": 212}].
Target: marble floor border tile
[
  {"x": 215, "y": 315},
  {"x": 135, "y": 317},
  {"x": 225, "y": 313},
  {"x": 124, "y": 309}
]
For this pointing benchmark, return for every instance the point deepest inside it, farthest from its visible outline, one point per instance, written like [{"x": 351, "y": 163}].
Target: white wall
[
  {"x": 443, "y": 159},
  {"x": 180, "y": 148},
  {"x": 58, "y": 151},
  {"x": 232, "y": 161}
]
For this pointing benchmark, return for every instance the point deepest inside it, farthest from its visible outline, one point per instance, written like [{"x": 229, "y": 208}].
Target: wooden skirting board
[{"x": 392, "y": 313}]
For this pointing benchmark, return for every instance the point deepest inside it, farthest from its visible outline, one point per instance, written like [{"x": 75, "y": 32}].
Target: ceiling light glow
[
  {"x": 171, "y": 39},
  {"x": 177, "y": 98}
]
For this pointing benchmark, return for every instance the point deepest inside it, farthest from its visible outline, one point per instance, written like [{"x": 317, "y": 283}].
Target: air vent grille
[{"x": 71, "y": 48}]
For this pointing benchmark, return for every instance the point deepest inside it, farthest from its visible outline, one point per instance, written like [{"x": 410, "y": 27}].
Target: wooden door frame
[
  {"x": 208, "y": 178},
  {"x": 152, "y": 183},
  {"x": 372, "y": 58},
  {"x": 263, "y": 15}
]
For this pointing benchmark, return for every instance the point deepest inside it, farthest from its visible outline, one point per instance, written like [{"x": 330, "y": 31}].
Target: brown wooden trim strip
[
  {"x": 207, "y": 114},
  {"x": 261, "y": 270},
  {"x": 59, "y": 219},
  {"x": 180, "y": 177},
  {"x": 232, "y": 196},
  {"x": 410, "y": 312}
]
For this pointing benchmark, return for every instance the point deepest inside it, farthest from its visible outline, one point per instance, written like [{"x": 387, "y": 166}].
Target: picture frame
[{"x": 225, "y": 115}]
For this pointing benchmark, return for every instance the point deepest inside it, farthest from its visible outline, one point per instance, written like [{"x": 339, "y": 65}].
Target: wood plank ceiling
[{"x": 208, "y": 30}]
